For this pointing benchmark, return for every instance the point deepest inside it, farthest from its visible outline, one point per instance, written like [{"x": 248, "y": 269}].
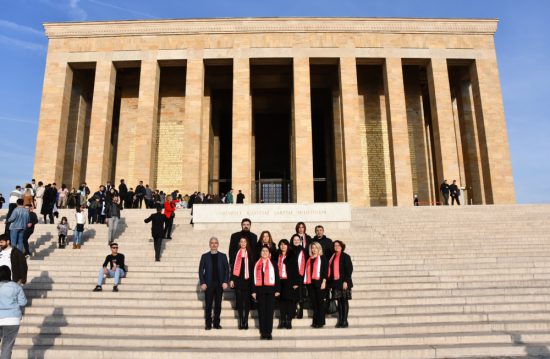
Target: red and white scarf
[
  {"x": 301, "y": 263},
  {"x": 303, "y": 237},
  {"x": 282, "y": 267},
  {"x": 269, "y": 273},
  {"x": 336, "y": 258},
  {"x": 316, "y": 270},
  {"x": 238, "y": 260}
]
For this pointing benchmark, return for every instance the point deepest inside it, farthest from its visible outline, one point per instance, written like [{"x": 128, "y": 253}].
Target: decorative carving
[{"x": 269, "y": 25}]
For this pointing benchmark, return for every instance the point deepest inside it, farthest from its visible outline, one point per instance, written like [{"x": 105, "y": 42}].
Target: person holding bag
[
  {"x": 242, "y": 278},
  {"x": 315, "y": 278},
  {"x": 266, "y": 288},
  {"x": 300, "y": 258},
  {"x": 340, "y": 269}
]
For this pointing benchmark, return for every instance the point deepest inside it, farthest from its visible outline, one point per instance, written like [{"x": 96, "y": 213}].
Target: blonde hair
[{"x": 319, "y": 248}]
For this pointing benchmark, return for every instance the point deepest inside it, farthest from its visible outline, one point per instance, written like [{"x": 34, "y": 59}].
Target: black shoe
[
  {"x": 345, "y": 324},
  {"x": 217, "y": 326},
  {"x": 288, "y": 325},
  {"x": 269, "y": 337},
  {"x": 300, "y": 314},
  {"x": 98, "y": 288},
  {"x": 207, "y": 327},
  {"x": 262, "y": 337},
  {"x": 281, "y": 325},
  {"x": 157, "y": 260},
  {"x": 115, "y": 288}
]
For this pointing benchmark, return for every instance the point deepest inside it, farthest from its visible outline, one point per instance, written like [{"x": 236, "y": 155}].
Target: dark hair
[
  {"x": 283, "y": 241},
  {"x": 113, "y": 244},
  {"x": 159, "y": 209},
  {"x": 342, "y": 244},
  {"x": 261, "y": 238},
  {"x": 246, "y": 220},
  {"x": 20, "y": 202},
  {"x": 40, "y": 183},
  {"x": 64, "y": 218},
  {"x": 5, "y": 274},
  {"x": 292, "y": 238},
  {"x": 248, "y": 250},
  {"x": 299, "y": 224},
  {"x": 4, "y": 237},
  {"x": 319, "y": 226}
]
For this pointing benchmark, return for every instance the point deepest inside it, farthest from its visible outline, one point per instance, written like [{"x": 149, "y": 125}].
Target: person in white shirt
[
  {"x": 80, "y": 217},
  {"x": 12, "y": 298}
]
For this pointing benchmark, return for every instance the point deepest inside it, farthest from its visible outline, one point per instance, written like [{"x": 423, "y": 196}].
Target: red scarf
[
  {"x": 282, "y": 267},
  {"x": 336, "y": 258},
  {"x": 238, "y": 260},
  {"x": 269, "y": 273},
  {"x": 316, "y": 270},
  {"x": 304, "y": 240},
  {"x": 301, "y": 263}
]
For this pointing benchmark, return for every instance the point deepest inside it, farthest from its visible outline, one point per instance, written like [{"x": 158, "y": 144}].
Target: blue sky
[{"x": 522, "y": 41}]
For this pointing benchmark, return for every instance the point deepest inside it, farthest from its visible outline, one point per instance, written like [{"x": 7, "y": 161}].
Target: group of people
[
  {"x": 450, "y": 190},
  {"x": 296, "y": 271}
]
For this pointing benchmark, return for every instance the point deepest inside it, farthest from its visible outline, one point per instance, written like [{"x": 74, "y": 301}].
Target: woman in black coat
[
  {"x": 340, "y": 269},
  {"x": 266, "y": 288},
  {"x": 288, "y": 276},
  {"x": 315, "y": 277},
  {"x": 305, "y": 239},
  {"x": 242, "y": 280},
  {"x": 300, "y": 256},
  {"x": 265, "y": 240}
]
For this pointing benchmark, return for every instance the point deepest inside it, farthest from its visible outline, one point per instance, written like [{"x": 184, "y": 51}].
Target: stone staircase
[{"x": 430, "y": 282}]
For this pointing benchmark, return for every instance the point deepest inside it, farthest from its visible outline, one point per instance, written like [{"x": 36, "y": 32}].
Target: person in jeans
[
  {"x": 115, "y": 263},
  {"x": 79, "y": 229},
  {"x": 112, "y": 211},
  {"x": 12, "y": 298},
  {"x": 19, "y": 221},
  {"x": 157, "y": 230},
  {"x": 213, "y": 277}
]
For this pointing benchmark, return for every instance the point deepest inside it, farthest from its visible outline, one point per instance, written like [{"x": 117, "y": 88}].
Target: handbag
[{"x": 330, "y": 306}]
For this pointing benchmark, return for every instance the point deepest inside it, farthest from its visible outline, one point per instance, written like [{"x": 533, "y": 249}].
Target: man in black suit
[
  {"x": 213, "y": 277},
  {"x": 157, "y": 230},
  {"x": 444, "y": 189},
  {"x": 244, "y": 233},
  {"x": 455, "y": 193},
  {"x": 122, "y": 191}
]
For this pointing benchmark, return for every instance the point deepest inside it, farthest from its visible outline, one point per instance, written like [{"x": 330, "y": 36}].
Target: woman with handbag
[
  {"x": 288, "y": 275},
  {"x": 315, "y": 278},
  {"x": 300, "y": 259},
  {"x": 266, "y": 288},
  {"x": 242, "y": 277},
  {"x": 340, "y": 269}
]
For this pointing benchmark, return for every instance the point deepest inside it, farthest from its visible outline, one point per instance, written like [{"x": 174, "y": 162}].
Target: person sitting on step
[{"x": 115, "y": 261}]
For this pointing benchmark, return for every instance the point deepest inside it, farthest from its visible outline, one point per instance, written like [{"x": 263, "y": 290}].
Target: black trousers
[
  {"x": 455, "y": 198},
  {"x": 242, "y": 301},
  {"x": 61, "y": 240},
  {"x": 287, "y": 308},
  {"x": 26, "y": 241},
  {"x": 317, "y": 297},
  {"x": 50, "y": 215},
  {"x": 168, "y": 227},
  {"x": 266, "y": 304},
  {"x": 446, "y": 199},
  {"x": 213, "y": 294},
  {"x": 140, "y": 201},
  {"x": 157, "y": 242}
]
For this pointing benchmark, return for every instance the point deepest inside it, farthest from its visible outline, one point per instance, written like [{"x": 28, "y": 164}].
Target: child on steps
[{"x": 62, "y": 229}]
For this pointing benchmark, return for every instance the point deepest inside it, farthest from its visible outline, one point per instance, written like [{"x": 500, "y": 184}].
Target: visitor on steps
[
  {"x": 113, "y": 266},
  {"x": 455, "y": 193},
  {"x": 33, "y": 220},
  {"x": 12, "y": 205},
  {"x": 324, "y": 241},
  {"x": 300, "y": 257},
  {"x": 112, "y": 211},
  {"x": 315, "y": 278},
  {"x": 240, "y": 197},
  {"x": 169, "y": 213},
  {"x": 213, "y": 277},
  {"x": 80, "y": 218},
  {"x": 19, "y": 221},
  {"x": 339, "y": 280},
  {"x": 62, "y": 230},
  {"x": 242, "y": 276},
  {"x": 157, "y": 230},
  {"x": 445, "y": 191},
  {"x": 266, "y": 288},
  {"x": 305, "y": 239},
  {"x": 244, "y": 232},
  {"x": 14, "y": 259},
  {"x": 265, "y": 240},
  {"x": 12, "y": 298},
  {"x": 288, "y": 276}
]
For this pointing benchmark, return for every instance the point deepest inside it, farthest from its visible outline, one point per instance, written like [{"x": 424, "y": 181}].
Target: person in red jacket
[{"x": 169, "y": 213}]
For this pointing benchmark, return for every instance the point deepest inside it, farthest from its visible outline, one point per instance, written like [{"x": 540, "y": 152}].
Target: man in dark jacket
[
  {"x": 140, "y": 193},
  {"x": 244, "y": 233},
  {"x": 324, "y": 241},
  {"x": 33, "y": 220},
  {"x": 455, "y": 193},
  {"x": 157, "y": 230},
  {"x": 213, "y": 277},
  {"x": 14, "y": 259},
  {"x": 445, "y": 190}
]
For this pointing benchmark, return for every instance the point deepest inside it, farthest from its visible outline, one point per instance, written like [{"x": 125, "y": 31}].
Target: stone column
[
  {"x": 206, "y": 139},
  {"x": 146, "y": 124},
  {"x": 242, "y": 169},
  {"x": 52, "y": 126},
  {"x": 352, "y": 129},
  {"x": 399, "y": 134},
  {"x": 446, "y": 155},
  {"x": 99, "y": 144},
  {"x": 303, "y": 161},
  {"x": 495, "y": 151},
  {"x": 194, "y": 88}
]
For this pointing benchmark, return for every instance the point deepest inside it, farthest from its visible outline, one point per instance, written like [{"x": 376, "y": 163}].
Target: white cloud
[
  {"x": 20, "y": 28},
  {"x": 76, "y": 12},
  {"x": 27, "y": 45},
  {"x": 130, "y": 11}
]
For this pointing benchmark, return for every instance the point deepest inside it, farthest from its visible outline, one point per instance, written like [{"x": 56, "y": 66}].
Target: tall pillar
[
  {"x": 495, "y": 151},
  {"x": 146, "y": 125},
  {"x": 446, "y": 151},
  {"x": 52, "y": 127},
  {"x": 303, "y": 146},
  {"x": 194, "y": 88},
  {"x": 206, "y": 140},
  {"x": 242, "y": 169},
  {"x": 99, "y": 144},
  {"x": 352, "y": 130},
  {"x": 399, "y": 135}
]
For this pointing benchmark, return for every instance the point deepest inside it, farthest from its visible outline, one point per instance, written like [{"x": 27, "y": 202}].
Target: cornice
[{"x": 268, "y": 25}]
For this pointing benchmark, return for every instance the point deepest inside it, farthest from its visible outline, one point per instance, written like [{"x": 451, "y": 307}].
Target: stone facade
[{"x": 380, "y": 109}]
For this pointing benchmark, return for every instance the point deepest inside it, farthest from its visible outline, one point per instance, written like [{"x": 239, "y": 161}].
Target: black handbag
[{"x": 330, "y": 306}]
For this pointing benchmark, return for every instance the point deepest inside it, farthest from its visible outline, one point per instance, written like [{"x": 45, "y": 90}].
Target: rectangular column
[
  {"x": 99, "y": 144},
  {"x": 52, "y": 126},
  {"x": 303, "y": 161},
  {"x": 446, "y": 155},
  {"x": 146, "y": 125},
  {"x": 399, "y": 134},
  {"x": 495, "y": 150},
  {"x": 242, "y": 168},
  {"x": 194, "y": 89},
  {"x": 206, "y": 139},
  {"x": 352, "y": 129}
]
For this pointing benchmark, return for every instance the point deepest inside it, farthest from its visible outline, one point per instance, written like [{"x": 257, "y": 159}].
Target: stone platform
[{"x": 430, "y": 282}]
